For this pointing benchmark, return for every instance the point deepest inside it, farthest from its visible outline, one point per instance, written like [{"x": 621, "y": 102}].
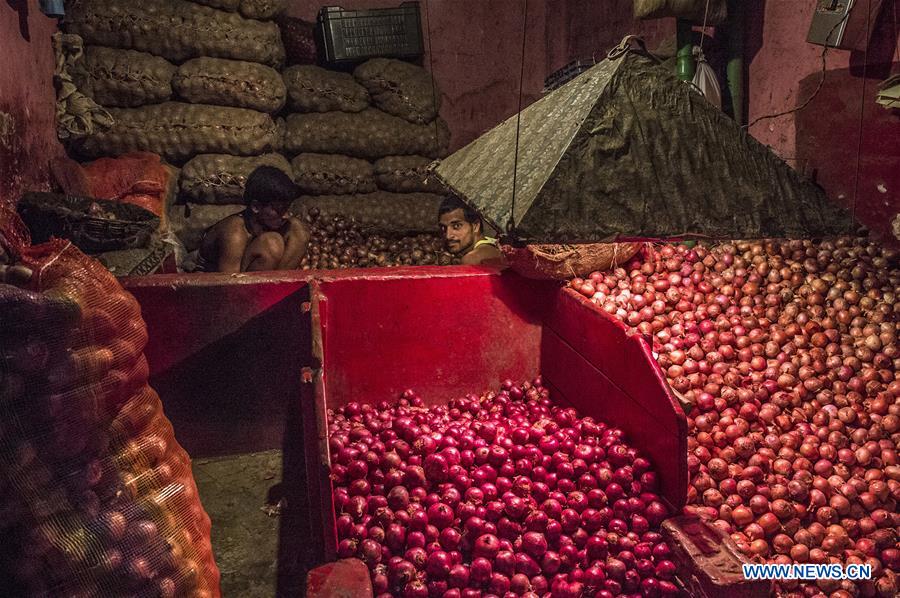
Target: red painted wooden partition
[
  {"x": 229, "y": 355},
  {"x": 445, "y": 332},
  {"x": 225, "y": 356}
]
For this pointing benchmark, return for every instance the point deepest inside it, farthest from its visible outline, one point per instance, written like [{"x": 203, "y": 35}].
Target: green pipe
[
  {"x": 686, "y": 67},
  {"x": 735, "y": 67}
]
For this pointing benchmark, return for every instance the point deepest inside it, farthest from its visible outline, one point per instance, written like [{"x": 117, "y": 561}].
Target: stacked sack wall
[
  {"x": 220, "y": 178},
  {"x": 226, "y": 82},
  {"x": 124, "y": 78},
  {"x": 177, "y": 30},
  {"x": 197, "y": 82},
  {"x": 177, "y": 131},
  {"x": 361, "y": 144},
  {"x": 406, "y": 174}
]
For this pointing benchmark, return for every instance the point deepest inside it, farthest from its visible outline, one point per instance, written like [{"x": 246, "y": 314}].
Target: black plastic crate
[
  {"x": 357, "y": 35},
  {"x": 560, "y": 77}
]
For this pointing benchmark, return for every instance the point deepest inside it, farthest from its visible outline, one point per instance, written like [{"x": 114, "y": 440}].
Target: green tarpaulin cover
[{"x": 626, "y": 150}]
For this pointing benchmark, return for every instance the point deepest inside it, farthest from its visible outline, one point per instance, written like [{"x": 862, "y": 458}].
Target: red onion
[
  {"x": 486, "y": 546},
  {"x": 539, "y": 505},
  {"x": 789, "y": 352},
  {"x": 534, "y": 544}
]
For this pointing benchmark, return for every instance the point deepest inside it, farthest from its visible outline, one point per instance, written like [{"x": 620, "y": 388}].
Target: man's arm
[
  {"x": 230, "y": 250},
  {"x": 486, "y": 255},
  {"x": 296, "y": 241}
]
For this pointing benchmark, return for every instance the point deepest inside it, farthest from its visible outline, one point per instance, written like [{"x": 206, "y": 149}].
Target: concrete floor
[{"x": 234, "y": 492}]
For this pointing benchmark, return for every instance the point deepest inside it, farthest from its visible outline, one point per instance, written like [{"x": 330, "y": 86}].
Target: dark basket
[
  {"x": 94, "y": 225},
  {"x": 349, "y": 36}
]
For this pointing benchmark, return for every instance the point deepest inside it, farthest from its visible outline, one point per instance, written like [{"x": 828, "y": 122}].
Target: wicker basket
[
  {"x": 562, "y": 262},
  {"x": 94, "y": 225}
]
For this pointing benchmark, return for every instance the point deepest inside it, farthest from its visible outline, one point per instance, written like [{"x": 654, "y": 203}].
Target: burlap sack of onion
[{"x": 562, "y": 262}]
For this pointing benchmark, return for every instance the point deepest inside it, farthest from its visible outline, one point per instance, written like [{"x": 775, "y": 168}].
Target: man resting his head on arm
[{"x": 263, "y": 236}]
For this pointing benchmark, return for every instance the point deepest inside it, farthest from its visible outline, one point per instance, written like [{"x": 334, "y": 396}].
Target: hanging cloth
[{"x": 705, "y": 80}]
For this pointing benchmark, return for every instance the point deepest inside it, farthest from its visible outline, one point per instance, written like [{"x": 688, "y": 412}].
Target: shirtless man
[
  {"x": 263, "y": 236},
  {"x": 463, "y": 232}
]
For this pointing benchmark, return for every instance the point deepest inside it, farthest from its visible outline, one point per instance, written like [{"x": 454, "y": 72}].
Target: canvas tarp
[{"x": 627, "y": 151}]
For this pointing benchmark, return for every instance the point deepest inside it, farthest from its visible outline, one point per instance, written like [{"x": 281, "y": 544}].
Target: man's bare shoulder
[
  {"x": 235, "y": 221},
  {"x": 232, "y": 226},
  {"x": 485, "y": 255}
]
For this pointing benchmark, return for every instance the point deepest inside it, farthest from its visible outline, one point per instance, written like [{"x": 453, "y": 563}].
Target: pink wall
[
  {"x": 823, "y": 139},
  {"x": 27, "y": 99}
]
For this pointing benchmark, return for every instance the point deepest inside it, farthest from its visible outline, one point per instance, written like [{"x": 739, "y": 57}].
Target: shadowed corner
[{"x": 21, "y": 7}]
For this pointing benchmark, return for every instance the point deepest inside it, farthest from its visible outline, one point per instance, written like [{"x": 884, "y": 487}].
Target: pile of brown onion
[
  {"x": 338, "y": 243},
  {"x": 788, "y": 351}
]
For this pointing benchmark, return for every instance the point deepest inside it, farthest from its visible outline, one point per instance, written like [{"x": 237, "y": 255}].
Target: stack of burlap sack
[
  {"x": 196, "y": 82},
  {"x": 199, "y": 82},
  {"x": 361, "y": 143}
]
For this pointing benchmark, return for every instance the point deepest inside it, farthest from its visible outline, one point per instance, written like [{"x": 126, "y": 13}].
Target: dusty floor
[{"x": 234, "y": 491}]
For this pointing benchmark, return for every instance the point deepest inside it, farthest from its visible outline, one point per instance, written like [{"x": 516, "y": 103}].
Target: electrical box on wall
[
  {"x": 53, "y": 8},
  {"x": 844, "y": 24}
]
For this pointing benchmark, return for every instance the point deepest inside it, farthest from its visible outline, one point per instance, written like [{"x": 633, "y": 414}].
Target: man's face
[
  {"x": 459, "y": 235},
  {"x": 271, "y": 215}
]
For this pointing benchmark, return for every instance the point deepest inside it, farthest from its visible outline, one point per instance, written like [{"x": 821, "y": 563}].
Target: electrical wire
[
  {"x": 862, "y": 111},
  {"x": 511, "y": 224},
  {"x": 705, "y": 21},
  {"x": 818, "y": 87},
  {"x": 896, "y": 45},
  {"x": 434, "y": 92}
]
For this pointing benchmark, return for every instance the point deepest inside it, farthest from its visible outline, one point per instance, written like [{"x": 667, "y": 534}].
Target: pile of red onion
[
  {"x": 499, "y": 495},
  {"x": 788, "y": 352}
]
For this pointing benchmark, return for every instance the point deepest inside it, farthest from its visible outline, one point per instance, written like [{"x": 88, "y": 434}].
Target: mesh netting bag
[
  {"x": 174, "y": 29},
  {"x": 177, "y": 131},
  {"x": 189, "y": 222},
  {"x": 400, "y": 88},
  {"x": 262, "y": 9},
  {"x": 562, "y": 262},
  {"x": 98, "y": 496},
  {"x": 141, "y": 179},
  {"x": 311, "y": 88},
  {"x": 223, "y": 82},
  {"x": 331, "y": 174},
  {"x": 692, "y": 10},
  {"x": 406, "y": 174},
  {"x": 369, "y": 134},
  {"x": 220, "y": 178},
  {"x": 123, "y": 78},
  {"x": 380, "y": 212}
]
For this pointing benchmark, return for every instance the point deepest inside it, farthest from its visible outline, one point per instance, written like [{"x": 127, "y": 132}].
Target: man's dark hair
[
  {"x": 452, "y": 203},
  {"x": 268, "y": 184}
]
